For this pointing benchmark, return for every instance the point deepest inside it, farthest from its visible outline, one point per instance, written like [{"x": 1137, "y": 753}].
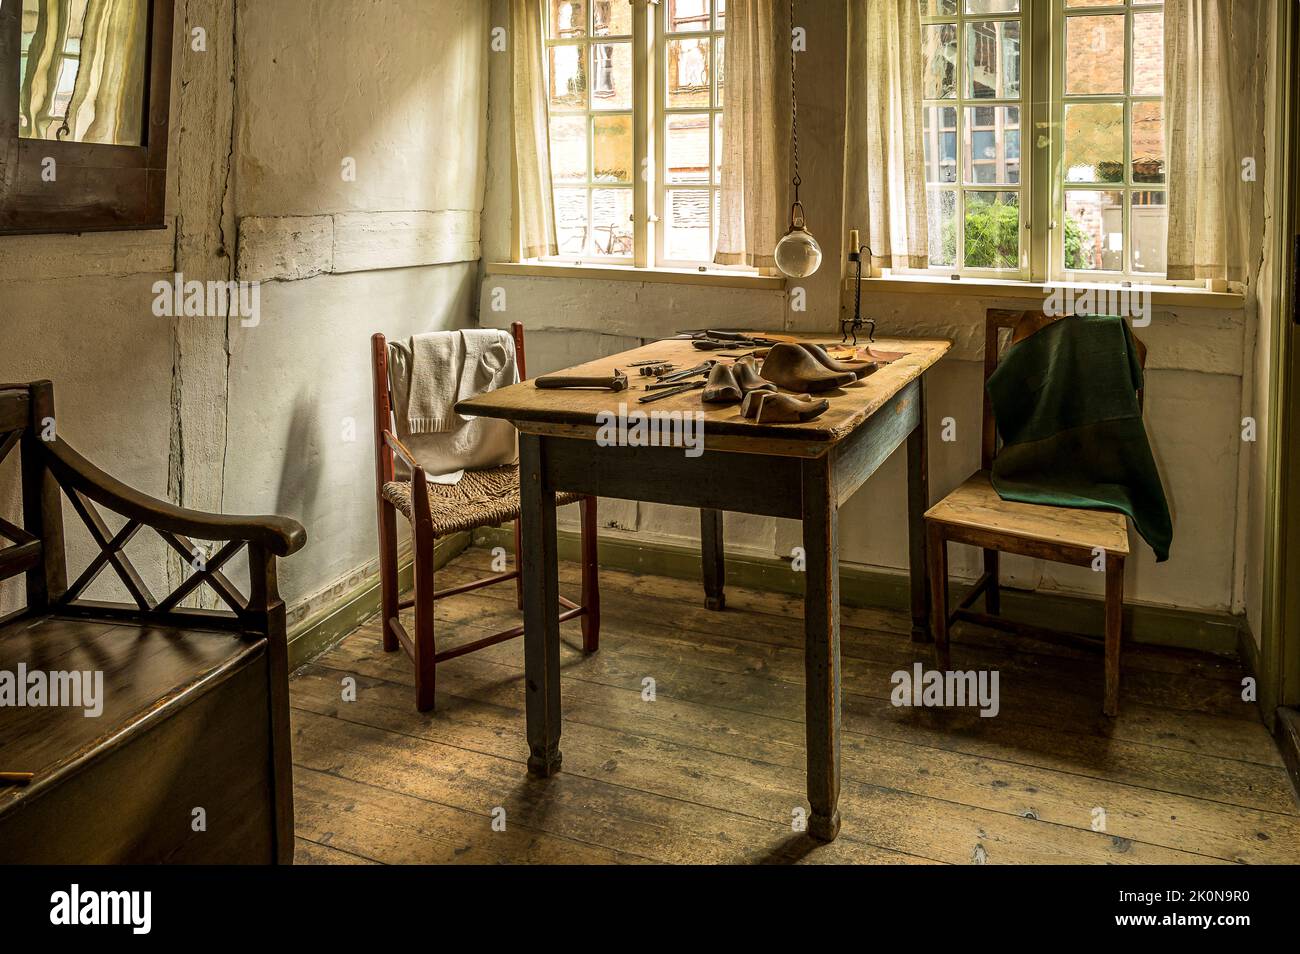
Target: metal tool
[
  {"x": 638, "y": 364},
  {"x": 670, "y": 391},
  {"x": 656, "y": 370},
  {"x": 704, "y": 368},
  {"x": 608, "y": 382}
]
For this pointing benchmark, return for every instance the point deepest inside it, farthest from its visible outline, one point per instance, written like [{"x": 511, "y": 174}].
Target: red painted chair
[{"x": 483, "y": 498}]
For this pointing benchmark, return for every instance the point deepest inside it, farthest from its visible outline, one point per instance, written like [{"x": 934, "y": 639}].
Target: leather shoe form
[
  {"x": 859, "y": 369},
  {"x": 721, "y": 387},
  {"x": 786, "y": 408},
  {"x": 748, "y": 378},
  {"x": 754, "y": 401},
  {"x": 795, "y": 369}
]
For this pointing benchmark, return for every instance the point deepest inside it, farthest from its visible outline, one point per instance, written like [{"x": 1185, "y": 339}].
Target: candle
[{"x": 854, "y": 244}]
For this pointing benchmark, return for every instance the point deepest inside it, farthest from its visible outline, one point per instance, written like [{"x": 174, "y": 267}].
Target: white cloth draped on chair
[
  {"x": 884, "y": 153},
  {"x": 535, "y": 211},
  {"x": 755, "y": 133}
]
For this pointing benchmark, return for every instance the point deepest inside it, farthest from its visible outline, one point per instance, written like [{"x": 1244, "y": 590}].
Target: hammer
[{"x": 610, "y": 382}]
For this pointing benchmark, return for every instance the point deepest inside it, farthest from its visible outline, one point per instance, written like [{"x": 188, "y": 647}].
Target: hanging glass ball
[{"x": 797, "y": 254}]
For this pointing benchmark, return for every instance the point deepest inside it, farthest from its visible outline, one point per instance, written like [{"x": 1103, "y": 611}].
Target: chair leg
[
  {"x": 590, "y": 578},
  {"x": 938, "y": 556},
  {"x": 387, "y": 573},
  {"x": 423, "y": 636},
  {"x": 993, "y": 593},
  {"x": 519, "y": 580},
  {"x": 1114, "y": 630}
]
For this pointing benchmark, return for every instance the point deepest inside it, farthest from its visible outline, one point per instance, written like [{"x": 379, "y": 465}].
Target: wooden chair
[
  {"x": 974, "y": 514},
  {"x": 195, "y": 702},
  {"x": 483, "y": 498}
]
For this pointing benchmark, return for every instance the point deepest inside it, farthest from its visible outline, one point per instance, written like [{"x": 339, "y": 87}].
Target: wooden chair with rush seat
[
  {"x": 482, "y": 498},
  {"x": 974, "y": 514}
]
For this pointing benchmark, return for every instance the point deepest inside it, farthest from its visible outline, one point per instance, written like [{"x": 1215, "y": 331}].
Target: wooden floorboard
[{"x": 711, "y": 770}]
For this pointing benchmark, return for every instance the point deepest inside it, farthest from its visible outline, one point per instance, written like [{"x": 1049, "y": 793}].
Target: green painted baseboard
[
  {"x": 322, "y": 630},
  {"x": 1155, "y": 625}
]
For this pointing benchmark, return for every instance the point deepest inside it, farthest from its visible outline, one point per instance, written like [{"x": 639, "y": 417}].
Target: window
[
  {"x": 1088, "y": 204},
  {"x": 84, "y": 114},
  {"x": 603, "y": 115}
]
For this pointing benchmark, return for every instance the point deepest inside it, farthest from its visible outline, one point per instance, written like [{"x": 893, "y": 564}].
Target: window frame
[
  {"x": 99, "y": 186},
  {"x": 650, "y": 114},
  {"x": 960, "y": 103},
  {"x": 1042, "y": 146}
]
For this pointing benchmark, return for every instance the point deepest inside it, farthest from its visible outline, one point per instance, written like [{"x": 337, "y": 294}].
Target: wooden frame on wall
[{"x": 99, "y": 186}]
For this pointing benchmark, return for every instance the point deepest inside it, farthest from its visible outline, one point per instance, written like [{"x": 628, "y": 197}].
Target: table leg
[
  {"x": 918, "y": 501},
  {"x": 537, "y": 562},
  {"x": 822, "y": 646},
  {"x": 712, "y": 559}
]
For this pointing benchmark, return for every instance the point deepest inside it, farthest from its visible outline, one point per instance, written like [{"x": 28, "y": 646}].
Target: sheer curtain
[
  {"x": 884, "y": 161},
  {"x": 1208, "y": 136},
  {"x": 536, "y": 211},
  {"x": 754, "y": 208}
]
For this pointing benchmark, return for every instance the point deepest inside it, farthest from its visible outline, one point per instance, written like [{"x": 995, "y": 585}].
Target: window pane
[
  {"x": 568, "y": 78},
  {"x": 1094, "y": 142},
  {"x": 686, "y": 237},
  {"x": 992, "y": 230},
  {"x": 1094, "y": 55},
  {"x": 938, "y": 8},
  {"x": 688, "y": 15},
  {"x": 940, "y": 58},
  {"x": 610, "y": 18},
  {"x": 941, "y": 213},
  {"x": 1148, "y": 142},
  {"x": 993, "y": 145},
  {"x": 611, "y": 76},
  {"x": 686, "y": 148},
  {"x": 717, "y": 148},
  {"x": 1094, "y": 230},
  {"x": 611, "y": 222},
  {"x": 721, "y": 13},
  {"x": 1074, "y": 4},
  {"x": 688, "y": 72},
  {"x": 940, "y": 140},
  {"x": 569, "y": 148},
  {"x": 992, "y": 6},
  {"x": 1149, "y": 227},
  {"x": 720, "y": 66},
  {"x": 611, "y": 145},
  {"x": 993, "y": 60},
  {"x": 1149, "y": 54},
  {"x": 568, "y": 19},
  {"x": 571, "y": 220}
]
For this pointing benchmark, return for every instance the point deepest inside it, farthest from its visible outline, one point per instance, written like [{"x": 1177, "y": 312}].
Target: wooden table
[{"x": 800, "y": 471}]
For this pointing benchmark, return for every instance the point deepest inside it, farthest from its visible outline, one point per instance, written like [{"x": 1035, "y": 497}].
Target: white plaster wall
[{"x": 218, "y": 416}]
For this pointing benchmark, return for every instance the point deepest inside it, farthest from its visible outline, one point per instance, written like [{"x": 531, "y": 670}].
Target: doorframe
[{"x": 1279, "y": 653}]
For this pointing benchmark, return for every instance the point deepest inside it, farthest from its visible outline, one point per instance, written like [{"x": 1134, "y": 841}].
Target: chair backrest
[
  {"x": 385, "y": 427},
  {"x": 36, "y": 547},
  {"x": 1018, "y": 325}
]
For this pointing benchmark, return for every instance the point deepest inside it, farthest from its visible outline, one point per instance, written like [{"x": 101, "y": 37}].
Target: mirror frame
[{"x": 98, "y": 186}]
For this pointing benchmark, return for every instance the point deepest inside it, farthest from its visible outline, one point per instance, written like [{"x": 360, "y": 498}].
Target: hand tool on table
[
  {"x": 655, "y": 370},
  {"x": 704, "y": 368},
  {"x": 16, "y": 778},
  {"x": 603, "y": 382},
  {"x": 669, "y": 391}
]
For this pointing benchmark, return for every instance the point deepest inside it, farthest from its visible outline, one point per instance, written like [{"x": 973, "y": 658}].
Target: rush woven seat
[{"x": 482, "y": 498}]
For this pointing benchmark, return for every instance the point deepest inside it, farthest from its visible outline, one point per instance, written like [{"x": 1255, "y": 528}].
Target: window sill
[
  {"x": 627, "y": 273},
  {"x": 1165, "y": 295}
]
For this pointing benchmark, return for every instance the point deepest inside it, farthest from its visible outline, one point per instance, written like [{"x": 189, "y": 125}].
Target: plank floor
[{"x": 711, "y": 769}]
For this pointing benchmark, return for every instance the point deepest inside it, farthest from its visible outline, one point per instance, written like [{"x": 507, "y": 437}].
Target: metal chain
[{"x": 794, "y": 109}]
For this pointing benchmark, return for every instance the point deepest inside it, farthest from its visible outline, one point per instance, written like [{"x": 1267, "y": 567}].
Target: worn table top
[{"x": 573, "y": 413}]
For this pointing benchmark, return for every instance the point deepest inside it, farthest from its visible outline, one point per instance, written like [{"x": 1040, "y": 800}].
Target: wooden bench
[{"x": 187, "y": 759}]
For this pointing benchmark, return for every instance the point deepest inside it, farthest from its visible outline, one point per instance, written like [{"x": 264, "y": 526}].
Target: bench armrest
[{"x": 278, "y": 535}]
